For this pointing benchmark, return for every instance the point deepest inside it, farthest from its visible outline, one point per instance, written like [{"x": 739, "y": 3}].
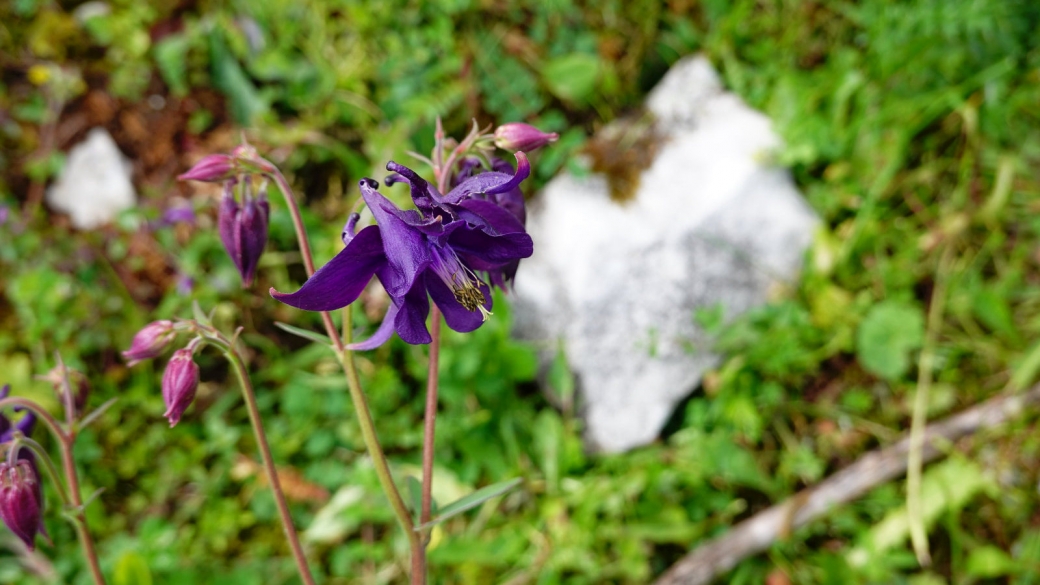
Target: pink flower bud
[
  {"x": 20, "y": 503},
  {"x": 214, "y": 168},
  {"x": 149, "y": 342},
  {"x": 516, "y": 136},
  {"x": 180, "y": 380}
]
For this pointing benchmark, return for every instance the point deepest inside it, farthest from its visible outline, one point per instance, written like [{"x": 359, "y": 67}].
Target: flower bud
[
  {"x": 214, "y": 168},
  {"x": 243, "y": 228},
  {"x": 149, "y": 342},
  {"x": 516, "y": 136},
  {"x": 20, "y": 501},
  {"x": 180, "y": 380},
  {"x": 77, "y": 381}
]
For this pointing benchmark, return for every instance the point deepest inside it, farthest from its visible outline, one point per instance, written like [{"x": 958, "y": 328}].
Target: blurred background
[{"x": 912, "y": 129}]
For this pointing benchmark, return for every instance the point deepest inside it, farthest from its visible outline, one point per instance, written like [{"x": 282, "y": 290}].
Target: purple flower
[
  {"x": 175, "y": 215},
  {"x": 20, "y": 501},
  {"x": 24, "y": 426},
  {"x": 519, "y": 136},
  {"x": 149, "y": 342},
  {"x": 436, "y": 251},
  {"x": 243, "y": 228},
  {"x": 179, "y": 383}
]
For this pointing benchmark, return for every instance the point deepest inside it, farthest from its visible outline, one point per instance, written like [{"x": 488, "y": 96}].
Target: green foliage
[
  {"x": 911, "y": 128},
  {"x": 886, "y": 336}
]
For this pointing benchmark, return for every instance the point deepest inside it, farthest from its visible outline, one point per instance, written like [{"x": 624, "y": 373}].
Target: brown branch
[{"x": 756, "y": 534}]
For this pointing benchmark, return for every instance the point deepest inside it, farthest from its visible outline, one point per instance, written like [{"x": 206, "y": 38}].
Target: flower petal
[
  {"x": 386, "y": 329},
  {"x": 424, "y": 194},
  {"x": 456, "y": 316},
  {"x": 411, "y": 319},
  {"x": 338, "y": 283},
  {"x": 483, "y": 251},
  {"x": 491, "y": 182},
  {"x": 407, "y": 251},
  {"x": 226, "y": 224},
  {"x": 491, "y": 216}
]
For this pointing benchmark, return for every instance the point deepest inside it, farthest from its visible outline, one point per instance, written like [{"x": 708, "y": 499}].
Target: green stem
[
  {"x": 919, "y": 418},
  {"x": 375, "y": 451},
  {"x": 357, "y": 396},
  {"x": 346, "y": 360},
  {"x": 85, "y": 539},
  {"x": 265, "y": 454},
  {"x": 429, "y": 424}
]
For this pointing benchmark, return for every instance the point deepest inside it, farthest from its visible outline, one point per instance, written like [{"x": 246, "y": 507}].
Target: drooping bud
[
  {"x": 20, "y": 501},
  {"x": 243, "y": 228},
  {"x": 516, "y": 136},
  {"x": 179, "y": 383},
  {"x": 255, "y": 215},
  {"x": 149, "y": 341},
  {"x": 213, "y": 168}
]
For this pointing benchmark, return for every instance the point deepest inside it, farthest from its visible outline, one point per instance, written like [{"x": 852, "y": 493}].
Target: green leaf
[
  {"x": 131, "y": 569},
  {"x": 170, "y": 55},
  {"x": 573, "y": 77},
  {"x": 304, "y": 333},
  {"x": 228, "y": 76},
  {"x": 989, "y": 562},
  {"x": 200, "y": 316},
  {"x": 471, "y": 501},
  {"x": 414, "y": 495},
  {"x": 887, "y": 336},
  {"x": 946, "y": 488},
  {"x": 1026, "y": 370}
]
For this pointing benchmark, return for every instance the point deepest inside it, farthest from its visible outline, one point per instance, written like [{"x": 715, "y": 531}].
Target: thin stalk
[
  {"x": 297, "y": 219},
  {"x": 429, "y": 424},
  {"x": 74, "y": 500},
  {"x": 919, "y": 418},
  {"x": 85, "y": 539},
  {"x": 272, "y": 473},
  {"x": 357, "y": 396},
  {"x": 375, "y": 451}
]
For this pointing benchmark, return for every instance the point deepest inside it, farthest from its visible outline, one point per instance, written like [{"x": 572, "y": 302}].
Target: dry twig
[{"x": 757, "y": 533}]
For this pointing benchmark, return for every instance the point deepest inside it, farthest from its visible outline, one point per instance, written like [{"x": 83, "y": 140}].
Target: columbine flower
[
  {"x": 437, "y": 251},
  {"x": 20, "y": 501},
  {"x": 149, "y": 342},
  {"x": 180, "y": 380},
  {"x": 243, "y": 228},
  {"x": 519, "y": 136}
]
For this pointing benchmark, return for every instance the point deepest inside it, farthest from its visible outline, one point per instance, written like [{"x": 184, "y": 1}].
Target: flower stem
[
  {"x": 357, "y": 396},
  {"x": 919, "y": 417},
  {"x": 272, "y": 473},
  {"x": 87, "y": 542},
  {"x": 429, "y": 423},
  {"x": 375, "y": 451},
  {"x": 72, "y": 497}
]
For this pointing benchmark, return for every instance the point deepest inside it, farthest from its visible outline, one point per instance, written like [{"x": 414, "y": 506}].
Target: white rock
[
  {"x": 618, "y": 284},
  {"x": 95, "y": 184}
]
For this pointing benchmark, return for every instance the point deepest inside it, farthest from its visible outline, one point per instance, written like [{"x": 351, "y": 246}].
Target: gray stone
[
  {"x": 617, "y": 284},
  {"x": 95, "y": 184}
]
